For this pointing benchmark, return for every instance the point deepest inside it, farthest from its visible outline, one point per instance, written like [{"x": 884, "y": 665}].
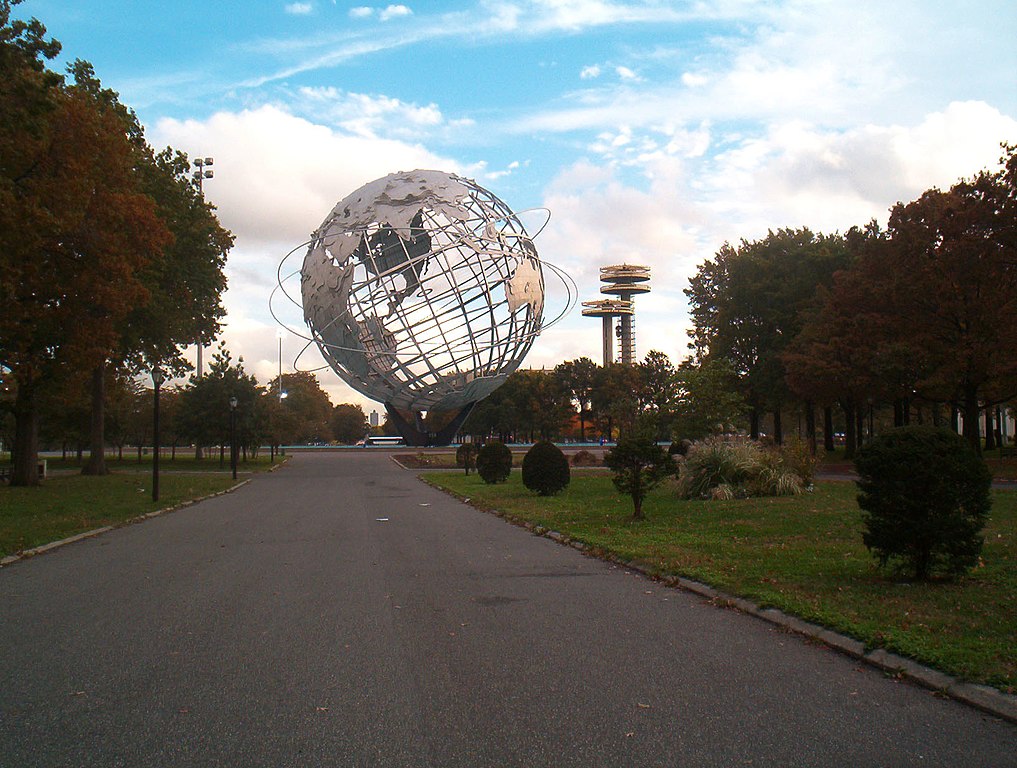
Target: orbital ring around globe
[{"x": 423, "y": 291}]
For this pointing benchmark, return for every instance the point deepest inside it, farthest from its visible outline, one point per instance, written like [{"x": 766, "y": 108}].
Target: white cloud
[
  {"x": 370, "y": 115},
  {"x": 299, "y": 9},
  {"x": 361, "y": 12},
  {"x": 277, "y": 177},
  {"x": 626, "y": 74},
  {"x": 394, "y": 12},
  {"x": 590, "y": 72},
  {"x": 672, "y": 208}
]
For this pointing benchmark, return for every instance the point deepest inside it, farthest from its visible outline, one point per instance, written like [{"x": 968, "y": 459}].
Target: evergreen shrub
[
  {"x": 494, "y": 462},
  {"x": 925, "y": 495},
  {"x": 545, "y": 469}
]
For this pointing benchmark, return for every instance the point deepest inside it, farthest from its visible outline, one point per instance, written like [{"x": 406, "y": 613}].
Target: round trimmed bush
[
  {"x": 494, "y": 462},
  {"x": 545, "y": 468},
  {"x": 925, "y": 494}
]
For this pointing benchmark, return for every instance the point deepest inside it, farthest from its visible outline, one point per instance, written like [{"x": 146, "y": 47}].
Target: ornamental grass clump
[
  {"x": 925, "y": 494},
  {"x": 494, "y": 462},
  {"x": 585, "y": 458},
  {"x": 545, "y": 469},
  {"x": 736, "y": 468}
]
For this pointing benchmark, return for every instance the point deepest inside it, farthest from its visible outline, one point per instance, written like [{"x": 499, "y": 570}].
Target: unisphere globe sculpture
[{"x": 423, "y": 291}]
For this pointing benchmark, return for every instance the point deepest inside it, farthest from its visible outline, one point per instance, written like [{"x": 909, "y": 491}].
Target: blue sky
[{"x": 653, "y": 131}]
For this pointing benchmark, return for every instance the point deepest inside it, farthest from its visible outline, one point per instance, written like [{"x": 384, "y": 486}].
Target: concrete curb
[
  {"x": 27, "y": 553},
  {"x": 982, "y": 697}
]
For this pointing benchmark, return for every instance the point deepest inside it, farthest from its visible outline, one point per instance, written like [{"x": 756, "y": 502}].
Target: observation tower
[
  {"x": 608, "y": 309},
  {"x": 623, "y": 281}
]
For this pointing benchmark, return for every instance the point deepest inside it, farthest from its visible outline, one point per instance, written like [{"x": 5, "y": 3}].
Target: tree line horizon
[{"x": 111, "y": 263}]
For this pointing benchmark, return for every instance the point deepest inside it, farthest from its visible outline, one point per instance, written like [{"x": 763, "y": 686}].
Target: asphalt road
[{"x": 340, "y": 613}]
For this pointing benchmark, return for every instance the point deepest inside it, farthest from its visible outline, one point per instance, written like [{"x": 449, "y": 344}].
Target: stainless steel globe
[{"x": 423, "y": 291}]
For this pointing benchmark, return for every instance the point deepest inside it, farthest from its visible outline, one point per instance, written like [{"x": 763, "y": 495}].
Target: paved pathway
[{"x": 286, "y": 624}]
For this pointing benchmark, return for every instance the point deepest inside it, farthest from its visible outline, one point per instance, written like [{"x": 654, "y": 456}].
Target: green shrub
[
  {"x": 638, "y": 465},
  {"x": 585, "y": 458},
  {"x": 719, "y": 467},
  {"x": 545, "y": 469},
  {"x": 925, "y": 494},
  {"x": 494, "y": 462},
  {"x": 466, "y": 456}
]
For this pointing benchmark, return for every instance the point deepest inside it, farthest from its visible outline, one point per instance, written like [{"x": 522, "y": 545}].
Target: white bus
[{"x": 384, "y": 440}]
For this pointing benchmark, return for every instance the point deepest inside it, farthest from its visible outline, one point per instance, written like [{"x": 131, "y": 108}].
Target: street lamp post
[
  {"x": 157, "y": 380},
  {"x": 279, "y": 335},
  {"x": 204, "y": 172},
  {"x": 233, "y": 436}
]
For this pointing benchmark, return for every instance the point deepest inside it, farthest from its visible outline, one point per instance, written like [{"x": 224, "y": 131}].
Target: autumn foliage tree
[
  {"x": 746, "y": 307},
  {"x": 75, "y": 232},
  {"x": 928, "y": 309}
]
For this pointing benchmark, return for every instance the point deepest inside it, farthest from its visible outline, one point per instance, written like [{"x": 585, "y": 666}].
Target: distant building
[{"x": 374, "y": 418}]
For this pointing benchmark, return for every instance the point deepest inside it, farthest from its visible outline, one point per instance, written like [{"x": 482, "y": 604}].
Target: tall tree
[
  {"x": 659, "y": 392},
  {"x": 959, "y": 251},
  {"x": 74, "y": 234},
  {"x": 204, "y": 414},
  {"x": 709, "y": 399},
  {"x": 309, "y": 405},
  {"x": 579, "y": 378},
  {"x": 349, "y": 423},
  {"x": 746, "y": 305},
  {"x": 183, "y": 279}
]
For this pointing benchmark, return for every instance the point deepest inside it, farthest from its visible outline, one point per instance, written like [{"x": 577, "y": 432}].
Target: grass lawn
[
  {"x": 65, "y": 505},
  {"x": 184, "y": 462},
  {"x": 803, "y": 555}
]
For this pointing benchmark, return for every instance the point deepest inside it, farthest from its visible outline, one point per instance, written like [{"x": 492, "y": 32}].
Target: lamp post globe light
[
  {"x": 157, "y": 379},
  {"x": 233, "y": 436}
]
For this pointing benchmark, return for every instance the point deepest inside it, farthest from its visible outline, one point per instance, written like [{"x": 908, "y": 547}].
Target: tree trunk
[
  {"x": 860, "y": 426},
  {"x": 778, "y": 427},
  {"x": 937, "y": 415},
  {"x": 990, "y": 432},
  {"x": 26, "y": 438},
  {"x": 828, "y": 429},
  {"x": 971, "y": 414},
  {"x": 754, "y": 423},
  {"x": 810, "y": 426},
  {"x": 97, "y": 434},
  {"x": 850, "y": 436},
  {"x": 954, "y": 418}
]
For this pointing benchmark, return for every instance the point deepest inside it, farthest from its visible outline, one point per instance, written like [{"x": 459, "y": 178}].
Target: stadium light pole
[{"x": 204, "y": 172}]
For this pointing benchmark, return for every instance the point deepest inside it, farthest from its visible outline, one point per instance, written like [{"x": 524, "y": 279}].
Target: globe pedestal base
[{"x": 417, "y": 434}]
